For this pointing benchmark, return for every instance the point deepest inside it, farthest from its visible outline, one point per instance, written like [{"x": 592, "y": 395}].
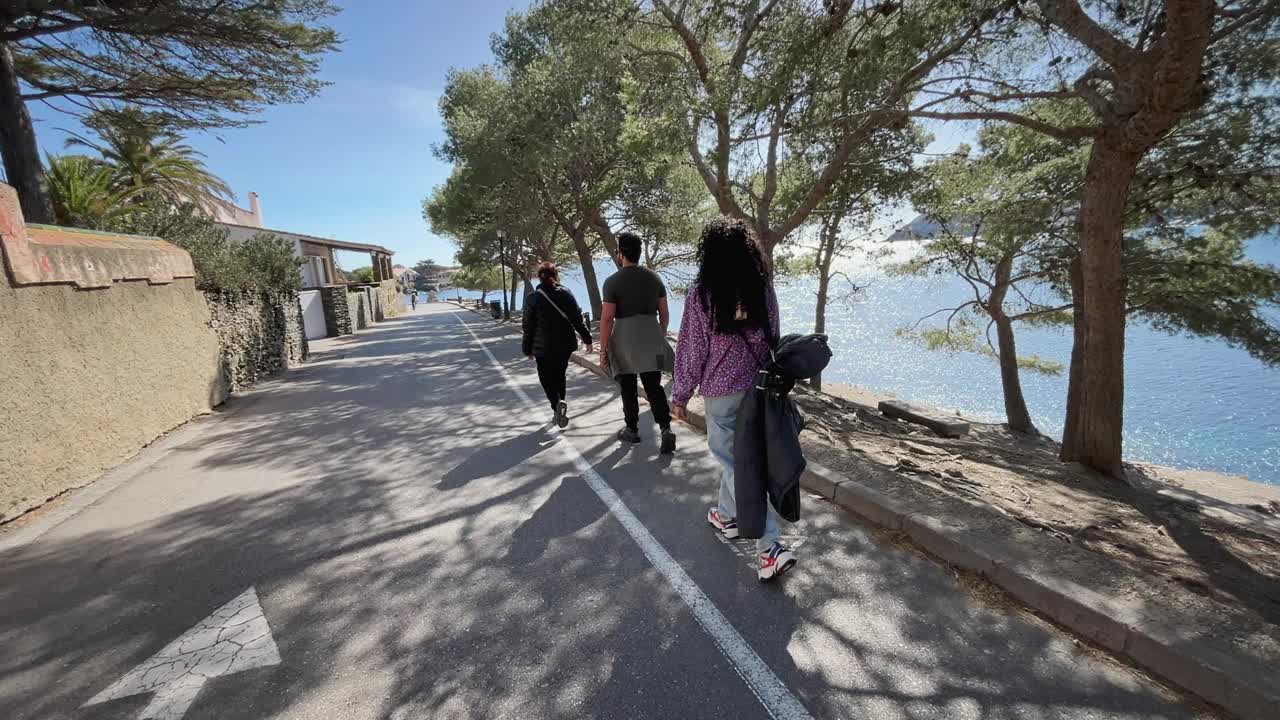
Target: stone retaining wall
[
  {"x": 337, "y": 311},
  {"x": 392, "y": 299},
  {"x": 259, "y": 333},
  {"x": 359, "y": 309}
]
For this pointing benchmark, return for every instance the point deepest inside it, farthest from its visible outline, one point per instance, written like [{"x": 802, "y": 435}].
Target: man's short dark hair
[{"x": 630, "y": 245}]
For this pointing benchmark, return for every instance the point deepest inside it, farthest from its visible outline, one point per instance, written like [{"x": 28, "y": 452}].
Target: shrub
[{"x": 263, "y": 262}]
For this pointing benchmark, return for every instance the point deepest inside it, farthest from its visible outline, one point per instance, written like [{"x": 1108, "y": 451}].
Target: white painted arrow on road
[{"x": 234, "y": 638}]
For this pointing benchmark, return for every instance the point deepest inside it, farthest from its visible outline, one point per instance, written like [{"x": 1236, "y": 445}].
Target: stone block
[
  {"x": 1074, "y": 606},
  {"x": 869, "y": 505},
  {"x": 1205, "y": 668},
  {"x": 946, "y": 427},
  {"x": 820, "y": 480},
  {"x": 949, "y": 542},
  {"x": 337, "y": 311}
]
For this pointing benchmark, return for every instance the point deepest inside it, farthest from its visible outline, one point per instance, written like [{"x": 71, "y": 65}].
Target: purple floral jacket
[{"x": 717, "y": 364}]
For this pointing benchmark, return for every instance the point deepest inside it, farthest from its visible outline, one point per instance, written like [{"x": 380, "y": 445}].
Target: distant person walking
[
  {"x": 633, "y": 340},
  {"x": 551, "y": 316},
  {"x": 413, "y": 299},
  {"x": 729, "y": 317}
]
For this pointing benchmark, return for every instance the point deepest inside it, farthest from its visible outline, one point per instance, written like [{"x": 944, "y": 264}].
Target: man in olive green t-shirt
[{"x": 635, "y": 305}]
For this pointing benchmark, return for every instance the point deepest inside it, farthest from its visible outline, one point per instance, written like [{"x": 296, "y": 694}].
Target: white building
[
  {"x": 226, "y": 212},
  {"x": 318, "y": 265}
]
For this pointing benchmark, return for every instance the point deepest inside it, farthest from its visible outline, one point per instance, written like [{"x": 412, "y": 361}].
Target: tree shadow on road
[
  {"x": 385, "y": 592},
  {"x": 491, "y": 460}
]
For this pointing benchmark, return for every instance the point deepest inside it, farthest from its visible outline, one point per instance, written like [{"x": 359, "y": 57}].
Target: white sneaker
[
  {"x": 775, "y": 561},
  {"x": 725, "y": 525}
]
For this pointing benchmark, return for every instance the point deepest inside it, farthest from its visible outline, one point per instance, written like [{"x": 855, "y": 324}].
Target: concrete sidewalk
[{"x": 422, "y": 544}]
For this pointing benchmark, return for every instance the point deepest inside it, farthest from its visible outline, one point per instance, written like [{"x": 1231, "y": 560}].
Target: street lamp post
[{"x": 502, "y": 254}]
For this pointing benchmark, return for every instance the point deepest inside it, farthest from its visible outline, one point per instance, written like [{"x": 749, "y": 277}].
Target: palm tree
[
  {"x": 82, "y": 191},
  {"x": 149, "y": 160}
]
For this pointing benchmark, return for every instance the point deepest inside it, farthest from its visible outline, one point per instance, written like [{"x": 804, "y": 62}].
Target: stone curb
[{"x": 1108, "y": 622}]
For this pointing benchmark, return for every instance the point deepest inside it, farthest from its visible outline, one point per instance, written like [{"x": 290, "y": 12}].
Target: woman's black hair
[{"x": 733, "y": 273}]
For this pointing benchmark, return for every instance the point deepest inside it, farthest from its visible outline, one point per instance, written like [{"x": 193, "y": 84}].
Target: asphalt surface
[{"x": 423, "y": 545}]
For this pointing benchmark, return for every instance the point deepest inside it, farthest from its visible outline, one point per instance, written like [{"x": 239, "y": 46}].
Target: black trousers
[
  {"x": 653, "y": 390},
  {"x": 551, "y": 370}
]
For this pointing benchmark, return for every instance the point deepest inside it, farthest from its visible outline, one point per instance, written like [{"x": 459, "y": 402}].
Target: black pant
[
  {"x": 653, "y": 390},
  {"x": 551, "y": 369}
]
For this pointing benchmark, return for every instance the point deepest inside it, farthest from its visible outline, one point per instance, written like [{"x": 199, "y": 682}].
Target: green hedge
[{"x": 264, "y": 262}]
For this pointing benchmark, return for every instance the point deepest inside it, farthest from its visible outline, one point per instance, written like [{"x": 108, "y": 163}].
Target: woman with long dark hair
[
  {"x": 730, "y": 320},
  {"x": 551, "y": 316}
]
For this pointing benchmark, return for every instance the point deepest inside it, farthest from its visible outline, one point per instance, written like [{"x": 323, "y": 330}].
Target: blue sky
[{"x": 354, "y": 163}]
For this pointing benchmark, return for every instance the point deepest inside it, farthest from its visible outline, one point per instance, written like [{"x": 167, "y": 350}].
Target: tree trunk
[
  {"x": 1074, "y": 379},
  {"x": 1098, "y": 411},
  {"x": 826, "y": 253},
  {"x": 767, "y": 240},
  {"x": 607, "y": 236},
  {"x": 588, "y": 273},
  {"x": 18, "y": 145},
  {"x": 1015, "y": 404},
  {"x": 515, "y": 285}
]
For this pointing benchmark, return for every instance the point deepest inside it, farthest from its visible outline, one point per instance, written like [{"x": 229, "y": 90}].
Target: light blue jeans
[{"x": 722, "y": 417}]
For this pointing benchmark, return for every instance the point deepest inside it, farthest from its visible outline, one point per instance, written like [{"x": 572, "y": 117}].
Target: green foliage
[
  {"x": 427, "y": 267},
  {"x": 479, "y": 278},
  {"x": 361, "y": 275},
  {"x": 269, "y": 263},
  {"x": 1204, "y": 285},
  {"x": 963, "y": 337},
  {"x": 773, "y": 102},
  {"x": 264, "y": 262},
  {"x": 548, "y": 146},
  {"x": 665, "y": 202},
  {"x": 791, "y": 263},
  {"x": 148, "y": 159},
  {"x": 81, "y": 191},
  {"x": 195, "y": 63},
  {"x": 200, "y": 64}
]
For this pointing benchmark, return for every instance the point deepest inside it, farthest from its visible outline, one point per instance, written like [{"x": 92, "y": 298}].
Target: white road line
[{"x": 763, "y": 683}]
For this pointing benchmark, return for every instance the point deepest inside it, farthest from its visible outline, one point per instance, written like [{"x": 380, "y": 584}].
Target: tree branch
[{"x": 1074, "y": 21}]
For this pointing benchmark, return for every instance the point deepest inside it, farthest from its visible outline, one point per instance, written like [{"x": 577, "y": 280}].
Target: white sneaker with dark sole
[
  {"x": 776, "y": 561},
  {"x": 726, "y": 526}
]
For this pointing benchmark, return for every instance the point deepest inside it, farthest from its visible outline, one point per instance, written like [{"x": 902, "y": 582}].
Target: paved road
[{"x": 421, "y": 544}]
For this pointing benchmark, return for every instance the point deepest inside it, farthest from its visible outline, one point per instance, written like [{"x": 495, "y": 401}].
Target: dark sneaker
[
  {"x": 628, "y": 435},
  {"x": 777, "y": 560},
  {"x": 562, "y": 414},
  {"x": 726, "y": 526},
  {"x": 668, "y": 442}
]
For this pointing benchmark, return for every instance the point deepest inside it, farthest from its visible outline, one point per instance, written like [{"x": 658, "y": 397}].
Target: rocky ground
[{"x": 1197, "y": 536}]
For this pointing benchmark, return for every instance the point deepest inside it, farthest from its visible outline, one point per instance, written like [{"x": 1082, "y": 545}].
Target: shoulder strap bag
[{"x": 554, "y": 305}]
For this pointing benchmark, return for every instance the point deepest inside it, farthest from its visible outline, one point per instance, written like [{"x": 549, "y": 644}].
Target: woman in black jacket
[{"x": 551, "y": 316}]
